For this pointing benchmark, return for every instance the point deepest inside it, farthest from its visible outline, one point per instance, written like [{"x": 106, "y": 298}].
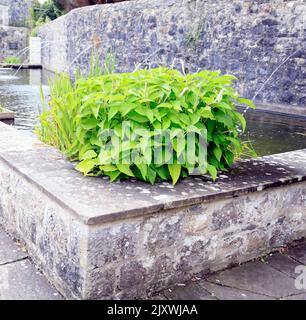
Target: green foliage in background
[
  {"x": 42, "y": 13},
  {"x": 158, "y": 99},
  {"x": 12, "y": 60}
]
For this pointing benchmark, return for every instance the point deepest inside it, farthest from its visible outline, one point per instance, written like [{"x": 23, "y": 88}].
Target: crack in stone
[
  {"x": 296, "y": 260},
  {"x": 14, "y": 261},
  {"x": 247, "y": 290},
  {"x": 281, "y": 271},
  {"x": 292, "y": 295}
]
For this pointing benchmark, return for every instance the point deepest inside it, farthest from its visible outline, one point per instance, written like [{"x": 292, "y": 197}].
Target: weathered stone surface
[
  {"x": 21, "y": 281},
  {"x": 192, "y": 291},
  {"x": 249, "y": 39},
  {"x": 161, "y": 233},
  {"x": 113, "y": 244},
  {"x": 256, "y": 242},
  {"x": 258, "y": 278},
  {"x": 228, "y": 293},
  {"x": 12, "y": 40},
  {"x": 299, "y": 254},
  {"x": 229, "y": 215},
  {"x": 132, "y": 274},
  {"x": 158, "y": 297},
  {"x": 18, "y": 11},
  {"x": 296, "y": 297},
  {"x": 14, "y": 16},
  {"x": 278, "y": 262},
  {"x": 9, "y": 251},
  {"x": 283, "y": 264},
  {"x": 72, "y": 4},
  {"x": 94, "y": 239},
  {"x": 101, "y": 284}
]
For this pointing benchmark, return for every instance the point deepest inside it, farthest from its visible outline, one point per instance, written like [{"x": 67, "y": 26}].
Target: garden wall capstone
[
  {"x": 247, "y": 38},
  {"x": 72, "y": 4},
  {"x": 95, "y": 239}
]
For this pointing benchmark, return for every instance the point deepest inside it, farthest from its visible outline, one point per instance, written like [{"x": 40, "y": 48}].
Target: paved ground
[
  {"x": 19, "y": 279},
  {"x": 272, "y": 277}
]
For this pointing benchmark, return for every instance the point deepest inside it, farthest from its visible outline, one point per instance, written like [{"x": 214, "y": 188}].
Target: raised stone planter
[{"x": 96, "y": 239}]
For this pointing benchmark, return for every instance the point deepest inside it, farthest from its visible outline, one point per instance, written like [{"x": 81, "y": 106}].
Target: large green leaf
[
  {"x": 89, "y": 123},
  {"x": 86, "y": 166},
  {"x": 241, "y": 119},
  {"x": 124, "y": 168},
  {"x": 224, "y": 118},
  {"x": 246, "y": 102},
  {"x": 218, "y": 153},
  {"x": 175, "y": 172},
  {"x": 213, "y": 171},
  {"x": 151, "y": 175},
  {"x": 90, "y": 154}
]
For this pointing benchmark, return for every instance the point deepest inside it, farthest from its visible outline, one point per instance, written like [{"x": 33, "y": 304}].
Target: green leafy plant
[
  {"x": 42, "y": 13},
  {"x": 12, "y": 60},
  {"x": 150, "y": 114},
  {"x": 33, "y": 33}
]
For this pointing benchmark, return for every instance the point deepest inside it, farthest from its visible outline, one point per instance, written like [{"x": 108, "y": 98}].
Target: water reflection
[
  {"x": 275, "y": 133},
  {"x": 21, "y": 94}
]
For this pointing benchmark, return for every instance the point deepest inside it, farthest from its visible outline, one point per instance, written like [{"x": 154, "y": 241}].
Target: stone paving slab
[
  {"x": 22, "y": 281},
  {"x": 268, "y": 279},
  {"x": 298, "y": 254},
  {"x": 284, "y": 264},
  {"x": 19, "y": 279},
  {"x": 296, "y": 297},
  {"x": 9, "y": 251},
  {"x": 228, "y": 293},
  {"x": 257, "y": 277},
  {"x": 192, "y": 291}
]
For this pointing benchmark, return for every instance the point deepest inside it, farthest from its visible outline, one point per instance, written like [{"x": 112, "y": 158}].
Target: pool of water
[
  {"x": 268, "y": 133},
  {"x": 271, "y": 133},
  {"x": 20, "y": 92}
]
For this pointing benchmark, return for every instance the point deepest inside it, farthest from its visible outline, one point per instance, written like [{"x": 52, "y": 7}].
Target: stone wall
[
  {"x": 14, "y": 16},
  {"x": 247, "y": 38},
  {"x": 4, "y": 15},
  {"x": 72, "y": 4},
  {"x": 18, "y": 11},
  {"x": 12, "y": 40}
]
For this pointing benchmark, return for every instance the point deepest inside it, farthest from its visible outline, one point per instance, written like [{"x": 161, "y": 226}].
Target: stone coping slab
[
  {"x": 6, "y": 114},
  {"x": 21, "y": 66},
  {"x": 298, "y": 111},
  {"x": 94, "y": 200}
]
